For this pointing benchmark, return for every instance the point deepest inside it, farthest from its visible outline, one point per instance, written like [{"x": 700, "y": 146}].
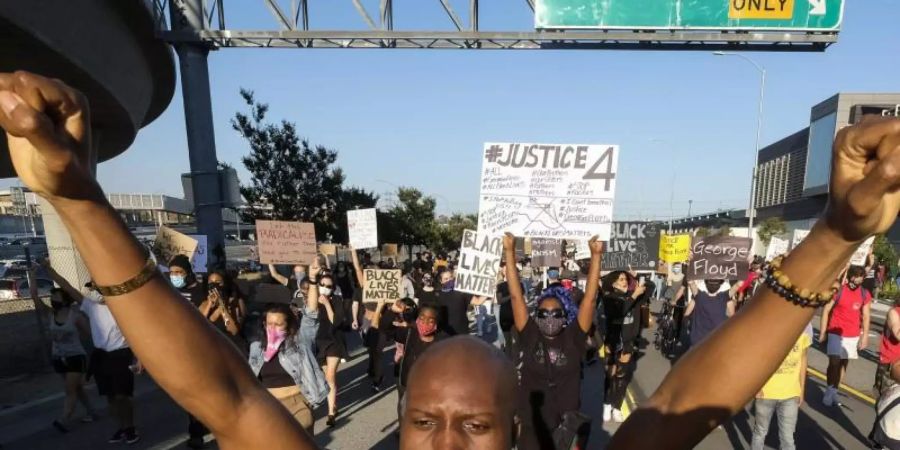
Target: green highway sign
[{"x": 778, "y": 15}]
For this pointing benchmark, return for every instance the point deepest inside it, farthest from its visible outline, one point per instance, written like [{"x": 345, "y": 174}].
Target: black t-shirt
[
  {"x": 505, "y": 301},
  {"x": 550, "y": 372},
  {"x": 194, "y": 294},
  {"x": 427, "y": 297},
  {"x": 623, "y": 314},
  {"x": 413, "y": 348},
  {"x": 272, "y": 375},
  {"x": 454, "y": 305}
]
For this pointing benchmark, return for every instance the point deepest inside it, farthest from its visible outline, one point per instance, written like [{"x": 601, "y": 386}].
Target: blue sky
[{"x": 419, "y": 118}]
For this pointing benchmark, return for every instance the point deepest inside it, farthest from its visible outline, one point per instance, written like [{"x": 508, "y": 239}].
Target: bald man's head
[{"x": 460, "y": 394}]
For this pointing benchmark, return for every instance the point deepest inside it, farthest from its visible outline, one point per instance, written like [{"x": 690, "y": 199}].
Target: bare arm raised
[{"x": 48, "y": 130}]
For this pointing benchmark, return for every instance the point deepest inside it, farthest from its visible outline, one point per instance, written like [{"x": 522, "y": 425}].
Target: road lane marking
[{"x": 843, "y": 386}]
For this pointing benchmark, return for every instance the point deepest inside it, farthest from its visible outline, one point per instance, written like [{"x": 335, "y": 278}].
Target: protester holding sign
[
  {"x": 298, "y": 274},
  {"x": 374, "y": 340},
  {"x": 709, "y": 308},
  {"x": 454, "y": 305},
  {"x": 552, "y": 343}
]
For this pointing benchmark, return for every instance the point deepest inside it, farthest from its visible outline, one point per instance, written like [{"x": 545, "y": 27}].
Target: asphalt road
[{"x": 368, "y": 420}]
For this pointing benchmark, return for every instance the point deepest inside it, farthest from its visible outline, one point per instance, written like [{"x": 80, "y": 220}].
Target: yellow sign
[
  {"x": 761, "y": 9},
  {"x": 674, "y": 248}
]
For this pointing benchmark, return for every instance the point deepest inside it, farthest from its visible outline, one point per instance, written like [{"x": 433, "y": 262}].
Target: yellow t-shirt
[{"x": 785, "y": 383}]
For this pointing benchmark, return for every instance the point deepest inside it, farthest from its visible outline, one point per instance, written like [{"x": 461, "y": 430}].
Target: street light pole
[{"x": 751, "y": 212}]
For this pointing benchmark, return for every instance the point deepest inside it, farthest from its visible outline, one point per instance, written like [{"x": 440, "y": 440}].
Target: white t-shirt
[{"x": 105, "y": 331}]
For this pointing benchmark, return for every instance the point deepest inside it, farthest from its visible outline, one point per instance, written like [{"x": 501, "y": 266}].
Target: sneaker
[
  {"x": 617, "y": 416},
  {"x": 607, "y": 412},
  {"x": 118, "y": 437},
  {"x": 829, "y": 398},
  {"x": 131, "y": 436}
]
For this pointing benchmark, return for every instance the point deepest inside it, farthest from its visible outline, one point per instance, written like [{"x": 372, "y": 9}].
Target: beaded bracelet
[{"x": 779, "y": 283}]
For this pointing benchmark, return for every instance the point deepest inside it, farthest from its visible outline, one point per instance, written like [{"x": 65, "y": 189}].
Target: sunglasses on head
[{"x": 555, "y": 313}]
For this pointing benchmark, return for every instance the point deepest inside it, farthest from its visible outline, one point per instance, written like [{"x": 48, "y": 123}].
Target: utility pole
[{"x": 187, "y": 15}]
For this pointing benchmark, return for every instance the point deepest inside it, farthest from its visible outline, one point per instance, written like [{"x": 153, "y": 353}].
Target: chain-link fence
[{"x": 24, "y": 341}]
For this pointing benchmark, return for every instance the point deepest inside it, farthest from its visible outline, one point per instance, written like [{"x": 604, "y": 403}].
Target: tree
[
  {"x": 289, "y": 179},
  {"x": 885, "y": 252},
  {"x": 412, "y": 217},
  {"x": 724, "y": 230},
  {"x": 447, "y": 236},
  {"x": 769, "y": 228},
  {"x": 701, "y": 232}
]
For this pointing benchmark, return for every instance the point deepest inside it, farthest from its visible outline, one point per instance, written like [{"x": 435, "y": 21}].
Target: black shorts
[
  {"x": 70, "y": 364},
  {"x": 112, "y": 372}
]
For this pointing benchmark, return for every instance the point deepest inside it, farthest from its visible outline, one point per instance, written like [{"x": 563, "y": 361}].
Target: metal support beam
[
  {"x": 473, "y": 15},
  {"x": 365, "y": 15},
  {"x": 452, "y": 14},
  {"x": 593, "y": 40},
  {"x": 279, "y": 14},
  {"x": 192, "y": 57}
]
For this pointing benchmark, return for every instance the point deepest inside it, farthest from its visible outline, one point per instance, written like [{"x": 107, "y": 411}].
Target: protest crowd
[{"x": 526, "y": 316}]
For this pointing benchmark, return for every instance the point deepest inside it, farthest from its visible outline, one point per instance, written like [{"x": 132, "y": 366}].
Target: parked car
[
  {"x": 13, "y": 288},
  {"x": 13, "y": 272}
]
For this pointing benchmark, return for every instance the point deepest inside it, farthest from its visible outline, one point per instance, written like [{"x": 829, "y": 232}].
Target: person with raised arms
[{"x": 49, "y": 140}]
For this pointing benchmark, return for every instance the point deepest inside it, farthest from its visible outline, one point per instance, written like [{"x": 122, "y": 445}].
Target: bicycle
[{"x": 665, "y": 337}]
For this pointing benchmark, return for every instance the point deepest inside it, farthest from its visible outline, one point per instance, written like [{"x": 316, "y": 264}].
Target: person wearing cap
[{"x": 182, "y": 277}]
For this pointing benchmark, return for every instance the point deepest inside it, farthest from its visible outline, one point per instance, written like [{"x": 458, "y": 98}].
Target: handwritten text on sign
[
  {"x": 720, "y": 257},
  {"x": 362, "y": 224},
  {"x": 169, "y": 243},
  {"x": 674, "y": 248},
  {"x": 546, "y": 252},
  {"x": 479, "y": 262},
  {"x": 381, "y": 285},
  {"x": 777, "y": 246},
  {"x": 632, "y": 244},
  {"x": 285, "y": 242},
  {"x": 547, "y": 190}
]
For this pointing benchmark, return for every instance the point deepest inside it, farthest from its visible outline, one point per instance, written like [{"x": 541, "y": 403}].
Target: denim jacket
[{"x": 297, "y": 357}]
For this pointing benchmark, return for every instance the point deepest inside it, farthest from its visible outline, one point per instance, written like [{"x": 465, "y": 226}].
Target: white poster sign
[
  {"x": 799, "y": 236},
  {"x": 862, "y": 253},
  {"x": 582, "y": 250},
  {"x": 777, "y": 246},
  {"x": 363, "y": 227},
  {"x": 201, "y": 255},
  {"x": 547, "y": 190},
  {"x": 479, "y": 261}
]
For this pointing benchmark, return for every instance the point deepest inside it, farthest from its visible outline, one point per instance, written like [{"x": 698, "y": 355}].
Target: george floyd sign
[
  {"x": 858, "y": 111},
  {"x": 719, "y": 257},
  {"x": 632, "y": 244}
]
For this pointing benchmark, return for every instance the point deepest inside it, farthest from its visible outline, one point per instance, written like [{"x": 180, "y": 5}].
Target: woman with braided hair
[{"x": 552, "y": 342}]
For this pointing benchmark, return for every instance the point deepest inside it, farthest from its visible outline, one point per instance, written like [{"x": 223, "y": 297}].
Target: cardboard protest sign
[
  {"x": 861, "y": 255},
  {"x": 328, "y": 249},
  {"x": 719, "y": 257},
  {"x": 546, "y": 252},
  {"x": 282, "y": 242},
  {"x": 201, "y": 255},
  {"x": 777, "y": 246},
  {"x": 674, "y": 247},
  {"x": 381, "y": 285},
  {"x": 582, "y": 250},
  {"x": 799, "y": 236},
  {"x": 632, "y": 244},
  {"x": 389, "y": 250},
  {"x": 547, "y": 190},
  {"x": 170, "y": 243},
  {"x": 479, "y": 261},
  {"x": 362, "y": 225}
]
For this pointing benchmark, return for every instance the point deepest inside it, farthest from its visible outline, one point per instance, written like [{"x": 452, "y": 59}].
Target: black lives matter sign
[
  {"x": 479, "y": 261},
  {"x": 719, "y": 257},
  {"x": 632, "y": 244}
]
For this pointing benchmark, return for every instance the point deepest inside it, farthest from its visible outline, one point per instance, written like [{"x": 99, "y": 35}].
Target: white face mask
[{"x": 325, "y": 291}]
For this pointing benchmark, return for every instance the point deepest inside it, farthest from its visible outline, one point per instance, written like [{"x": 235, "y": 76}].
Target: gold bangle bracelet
[{"x": 143, "y": 277}]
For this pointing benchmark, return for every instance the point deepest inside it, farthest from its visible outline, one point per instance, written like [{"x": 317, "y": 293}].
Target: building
[{"x": 793, "y": 173}]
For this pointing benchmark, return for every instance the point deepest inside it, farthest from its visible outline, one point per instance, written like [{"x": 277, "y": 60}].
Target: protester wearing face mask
[
  {"x": 68, "y": 327},
  {"x": 330, "y": 343},
  {"x": 415, "y": 339},
  {"x": 298, "y": 274},
  {"x": 709, "y": 309},
  {"x": 425, "y": 292},
  {"x": 622, "y": 300},
  {"x": 454, "y": 306},
  {"x": 181, "y": 275},
  {"x": 284, "y": 361},
  {"x": 224, "y": 307},
  {"x": 552, "y": 343}
]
